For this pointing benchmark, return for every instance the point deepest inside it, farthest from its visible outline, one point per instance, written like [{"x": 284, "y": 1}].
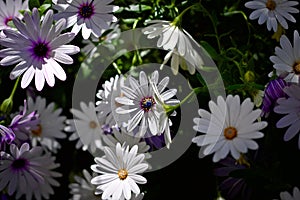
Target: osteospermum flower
[
  {"x": 289, "y": 106},
  {"x": 139, "y": 103},
  {"x": 178, "y": 42},
  {"x": 273, "y": 12},
  {"x": 120, "y": 169},
  {"x": 230, "y": 127},
  {"x": 28, "y": 171},
  {"x": 37, "y": 48},
  {"x": 50, "y": 126},
  {"x": 287, "y": 59},
  {"x": 10, "y": 11},
  {"x": 88, "y": 126},
  {"x": 87, "y": 15},
  {"x": 287, "y": 196}
]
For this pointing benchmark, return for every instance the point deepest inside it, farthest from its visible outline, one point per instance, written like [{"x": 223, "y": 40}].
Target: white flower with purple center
[
  {"x": 139, "y": 103},
  {"x": 120, "y": 171},
  {"x": 37, "y": 48},
  {"x": 287, "y": 59},
  {"x": 11, "y": 10},
  {"x": 28, "y": 171},
  {"x": 92, "y": 17},
  {"x": 273, "y": 12},
  {"x": 230, "y": 127},
  {"x": 291, "y": 108}
]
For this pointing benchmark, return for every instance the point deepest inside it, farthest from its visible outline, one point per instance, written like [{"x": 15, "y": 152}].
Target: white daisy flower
[
  {"x": 106, "y": 106},
  {"x": 287, "y": 196},
  {"x": 120, "y": 169},
  {"x": 28, "y": 172},
  {"x": 37, "y": 49},
  {"x": 230, "y": 127},
  {"x": 10, "y": 11},
  {"x": 289, "y": 106},
  {"x": 139, "y": 103},
  {"x": 273, "y": 12},
  {"x": 83, "y": 189},
  {"x": 178, "y": 42},
  {"x": 87, "y": 15},
  {"x": 51, "y": 124},
  {"x": 88, "y": 126},
  {"x": 287, "y": 59}
]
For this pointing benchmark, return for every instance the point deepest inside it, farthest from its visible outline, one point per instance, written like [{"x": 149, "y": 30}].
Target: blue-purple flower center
[
  {"x": 147, "y": 103},
  {"x": 7, "y": 20},
  {"x": 86, "y": 10},
  {"x": 41, "y": 50},
  {"x": 19, "y": 164}
]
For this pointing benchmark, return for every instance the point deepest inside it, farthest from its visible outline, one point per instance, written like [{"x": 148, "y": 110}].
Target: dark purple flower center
[
  {"x": 271, "y": 4},
  {"x": 41, "y": 50},
  {"x": 8, "y": 19},
  {"x": 19, "y": 164},
  {"x": 147, "y": 103},
  {"x": 86, "y": 10}
]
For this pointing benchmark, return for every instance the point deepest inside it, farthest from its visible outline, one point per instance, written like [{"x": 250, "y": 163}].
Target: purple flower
[
  {"x": 155, "y": 142},
  {"x": 7, "y": 135},
  {"x": 22, "y": 124},
  {"x": 273, "y": 91},
  {"x": 233, "y": 187}
]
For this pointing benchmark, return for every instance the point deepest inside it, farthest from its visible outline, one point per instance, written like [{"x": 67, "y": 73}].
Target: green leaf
[
  {"x": 44, "y": 7},
  {"x": 129, "y": 20},
  {"x": 34, "y": 4},
  {"x": 210, "y": 50},
  {"x": 138, "y": 8}
]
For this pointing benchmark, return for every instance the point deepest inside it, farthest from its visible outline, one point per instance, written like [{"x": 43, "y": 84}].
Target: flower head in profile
[
  {"x": 287, "y": 196},
  {"x": 178, "y": 42},
  {"x": 92, "y": 17},
  {"x": 120, "y": 171},
  {"x": 11, "y": 10},
  {"x": 230, "y": 127},
  {"x": 88, "y": 127},
  {"x": 28, "y": 171},
  {"x": 37, "y": 48},
  {"x": 48, "y": 128},
  {"x": 273, "y": 12},
  {"x": 273, "y": 91},
  {"x": 287, "y": 59},
  {"x": 290, "y": 107}
]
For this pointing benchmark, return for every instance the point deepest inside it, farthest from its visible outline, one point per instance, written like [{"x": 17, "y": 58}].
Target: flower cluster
[{"x": 231, "y": 94}]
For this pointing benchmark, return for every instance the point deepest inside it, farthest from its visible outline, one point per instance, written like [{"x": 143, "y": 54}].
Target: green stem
[
  {"x": 177, "y": 20},
  {"x": 15, "y": 88}
]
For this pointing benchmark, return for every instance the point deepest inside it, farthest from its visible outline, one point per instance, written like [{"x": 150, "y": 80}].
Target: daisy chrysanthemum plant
[
  {"x": 28, "y": 172},
  {"x": 120, "y": 171},
  {"x": 230, "y": 127},
  {"x": 273, "y": 12},
  {"x": 287, "y": 59},
  {"x": 139, "y": 102},
  {"x": 92, "y": 17},
  {"x": 37, "y": 47},
  {"x": 177, "y": 42},
  {"x": 49, "y": 127},
  {"x": 88, "y": 127},
  {"x": 290, "y": 107}
]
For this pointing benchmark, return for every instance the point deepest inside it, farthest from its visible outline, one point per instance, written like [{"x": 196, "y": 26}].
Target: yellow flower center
[
  {"x": 37, "y": 132},
  {"x": 122, "y": 173},
  {"x": 93, "y": 124},
  {"x": 296, "y": 68},
  {"x": 271, "y": 4},
  {"x": 230, "y": 133}
]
